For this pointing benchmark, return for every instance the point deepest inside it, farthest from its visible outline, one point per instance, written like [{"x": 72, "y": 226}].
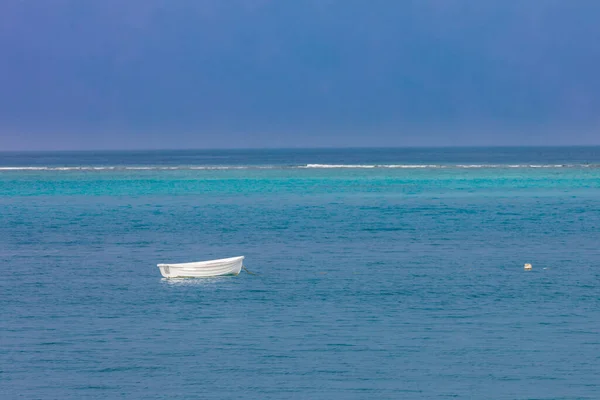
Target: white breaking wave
[
  {"x": 307, "y": 166},
  {"x": 432, "y": 166},
  {"x": 133, "y": 168},
  {"x": 374, "y": 166},
  {"x": 337, "y": 166}
]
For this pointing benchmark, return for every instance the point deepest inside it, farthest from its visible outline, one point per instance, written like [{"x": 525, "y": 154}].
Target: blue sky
[{"x": 258, "y": 73}]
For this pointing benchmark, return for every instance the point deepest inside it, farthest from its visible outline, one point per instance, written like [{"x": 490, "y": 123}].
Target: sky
[{"x": 152, "y": 74}]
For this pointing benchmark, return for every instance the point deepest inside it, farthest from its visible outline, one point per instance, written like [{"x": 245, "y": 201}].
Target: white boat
[{"x": 203, "y": 269}]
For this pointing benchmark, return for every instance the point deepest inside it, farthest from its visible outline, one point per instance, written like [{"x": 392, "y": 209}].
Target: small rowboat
[{"x": 203, "y": 269}]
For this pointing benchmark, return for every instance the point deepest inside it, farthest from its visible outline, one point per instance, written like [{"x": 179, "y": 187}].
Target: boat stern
[{"x": 165, "y": 271}]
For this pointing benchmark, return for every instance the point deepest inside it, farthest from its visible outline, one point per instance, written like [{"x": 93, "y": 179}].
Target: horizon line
[{"x": 107, "y": 150}]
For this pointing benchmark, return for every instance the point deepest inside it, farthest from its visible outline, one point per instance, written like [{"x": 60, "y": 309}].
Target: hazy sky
[{"x": 78, "y": 74}]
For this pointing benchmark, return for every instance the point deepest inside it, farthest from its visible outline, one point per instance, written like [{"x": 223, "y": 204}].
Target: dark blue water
[
  {"x": 500, "y": 155},
  {"x": 373, "y": 281}
]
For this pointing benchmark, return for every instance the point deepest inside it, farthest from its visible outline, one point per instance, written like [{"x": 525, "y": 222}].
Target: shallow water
[{"x": 373, "y": 282}]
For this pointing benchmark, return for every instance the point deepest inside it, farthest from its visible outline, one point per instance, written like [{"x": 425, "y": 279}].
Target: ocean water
[{"x": 381, "y": 274}]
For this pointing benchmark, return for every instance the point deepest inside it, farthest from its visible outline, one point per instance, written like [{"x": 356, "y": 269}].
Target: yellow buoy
[{"x": 527, "y": 267}]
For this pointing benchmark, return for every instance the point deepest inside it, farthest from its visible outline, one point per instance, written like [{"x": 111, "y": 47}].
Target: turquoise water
[{"x": 401, "y": 277}]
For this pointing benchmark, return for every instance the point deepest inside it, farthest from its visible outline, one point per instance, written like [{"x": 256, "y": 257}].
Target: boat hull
[{"x": 203, "y": 269}]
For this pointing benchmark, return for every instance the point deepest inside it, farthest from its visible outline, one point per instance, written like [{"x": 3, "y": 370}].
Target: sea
[{"x": 376, "y": 274}]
